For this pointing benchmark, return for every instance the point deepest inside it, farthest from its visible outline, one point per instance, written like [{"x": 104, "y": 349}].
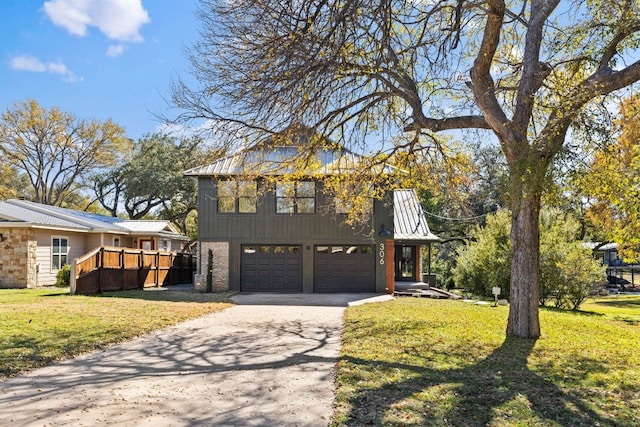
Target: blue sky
[{"x": 102, "y": 59}]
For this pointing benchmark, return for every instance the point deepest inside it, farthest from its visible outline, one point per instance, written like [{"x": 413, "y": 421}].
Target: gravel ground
[{"x": 268, "y": 361}]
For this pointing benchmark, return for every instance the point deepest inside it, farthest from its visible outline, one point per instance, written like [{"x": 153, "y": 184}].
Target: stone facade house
[{"x": 37, "y": 240}]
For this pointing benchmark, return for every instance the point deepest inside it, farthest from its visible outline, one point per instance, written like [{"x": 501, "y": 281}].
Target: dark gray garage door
[
  {"x": 271, "y": 268},
  {"x": 343, "y": 268}
]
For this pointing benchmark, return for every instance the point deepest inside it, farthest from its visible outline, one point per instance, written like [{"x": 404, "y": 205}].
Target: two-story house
[{"x": 257, "y": 233}]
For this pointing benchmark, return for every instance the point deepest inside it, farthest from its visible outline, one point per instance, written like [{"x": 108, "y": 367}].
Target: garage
[
  {"x": 271, "y": 268},
  {"x": 344, "y": 268}
]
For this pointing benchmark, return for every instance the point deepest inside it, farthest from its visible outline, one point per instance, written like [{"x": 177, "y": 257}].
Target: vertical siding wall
[{"x": 268, "y": 227}]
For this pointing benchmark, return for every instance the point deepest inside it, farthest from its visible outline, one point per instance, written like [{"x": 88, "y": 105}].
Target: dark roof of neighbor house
[
  {"x": 22, "y": 213},
  {"x": 409, "y": 221},
  {"x": 279, "y": 160}
]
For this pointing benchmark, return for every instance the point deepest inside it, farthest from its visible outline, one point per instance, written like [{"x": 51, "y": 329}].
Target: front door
[
  {"x": 146, "y": 244},
  {"x": 405, "y": 260}
]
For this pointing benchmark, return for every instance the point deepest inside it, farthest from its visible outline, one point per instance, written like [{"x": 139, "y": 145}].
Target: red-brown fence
[{"x": 108, "y": 269}]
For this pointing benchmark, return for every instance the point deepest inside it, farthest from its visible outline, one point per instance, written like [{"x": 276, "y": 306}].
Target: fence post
[
  {"x": 72, "y": 277},
  {"x": 122, "y": 268},
  {"x": 140, "y": 269},
  {"x": 100, "y": 268},
  {"x": 156, "y": 261}
]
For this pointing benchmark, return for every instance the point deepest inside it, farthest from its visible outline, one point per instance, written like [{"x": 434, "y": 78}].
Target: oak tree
[
  {"x": 149, "y": 181},
  {"x": 56, "y": 150},
  {"x": 364, "y": 72}
]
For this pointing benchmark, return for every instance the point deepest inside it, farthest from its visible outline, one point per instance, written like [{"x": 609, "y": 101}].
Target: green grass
[
  {"x": 619, "y": 307},
  {"x": 38, "y": 327},
  {"x": 424, "y": 362}
]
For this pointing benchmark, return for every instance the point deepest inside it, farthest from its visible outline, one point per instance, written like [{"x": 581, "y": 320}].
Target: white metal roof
[
  {"x": 163, "y": 228},
  {"x": 278, "y": 160},
  {"x": 409, "y": 221},
  {"x": 22, "y": 213}
]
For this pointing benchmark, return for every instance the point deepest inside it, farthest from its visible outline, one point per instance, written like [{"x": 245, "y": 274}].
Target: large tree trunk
[{"x": 524, "y": 321}]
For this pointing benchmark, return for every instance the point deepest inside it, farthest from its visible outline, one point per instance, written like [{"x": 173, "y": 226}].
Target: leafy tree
[
  {"x": 360, "y": 70},
  {"x": 485, "y": 262},
  {"x": 582, "y": 275},
  {"x": 56, "y": 150},
  {"x": 13, "y": 184},
  {"x": 612, "y": 183},
  {"x": 569, "y": 271},
  {"x": 150, "y": 180}
]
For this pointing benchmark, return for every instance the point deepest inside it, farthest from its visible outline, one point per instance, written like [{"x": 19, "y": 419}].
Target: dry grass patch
[
  {"x": 417, "y": 362},
  {"x": 38, "y": 327}
]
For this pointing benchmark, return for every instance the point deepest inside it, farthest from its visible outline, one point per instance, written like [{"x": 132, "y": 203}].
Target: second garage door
[
  {"x": 271, "y": 268},
  {"x": 343, "y": 268}
]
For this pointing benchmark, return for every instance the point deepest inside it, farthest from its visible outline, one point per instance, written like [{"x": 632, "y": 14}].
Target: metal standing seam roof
[
  {"x": 277, "y": 161},
  {"x": 87, "y": 220},
  {"x": 36, "y": 214},
  {"x": 409, "y": 221},
  {"x": 163, "y": 228},
  {"x": 16, "y": 214}
]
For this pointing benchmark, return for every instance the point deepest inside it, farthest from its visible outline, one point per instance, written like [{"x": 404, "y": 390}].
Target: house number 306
[{"x": 381, "y": 253}]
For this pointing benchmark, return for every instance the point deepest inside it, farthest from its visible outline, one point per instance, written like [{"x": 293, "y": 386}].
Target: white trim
[{"x": 68, "y": 246}]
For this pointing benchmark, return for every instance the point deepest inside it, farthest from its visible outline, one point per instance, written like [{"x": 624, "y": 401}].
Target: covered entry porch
[{"x": 412, "y": 241}]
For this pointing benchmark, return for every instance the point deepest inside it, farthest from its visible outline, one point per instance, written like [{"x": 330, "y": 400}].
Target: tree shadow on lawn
[
  {"x": 480, "y": 392},
  {"x": 632, "y": 303},
  {"x": 170, "y": 295}
]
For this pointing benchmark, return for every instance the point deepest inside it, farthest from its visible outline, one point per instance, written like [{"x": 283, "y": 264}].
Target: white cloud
[
  {"x": 115, "y": 50},
  {"x": 31, "y": 63},
  {"x": 117, "y": 19},
  {"x": 27, "y": 63}
]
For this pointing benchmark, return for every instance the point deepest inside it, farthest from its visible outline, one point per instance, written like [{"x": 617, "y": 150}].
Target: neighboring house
[
  {"x": 37, "y": 240},
  {"x": 280, "y": 237},
  {"x": 607, "y": 253}
]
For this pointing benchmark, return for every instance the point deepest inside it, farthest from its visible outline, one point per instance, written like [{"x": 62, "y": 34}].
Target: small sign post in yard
[{"x": 495, "y": 291}]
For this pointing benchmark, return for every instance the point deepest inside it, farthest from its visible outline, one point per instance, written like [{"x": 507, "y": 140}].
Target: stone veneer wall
[
  {"x": 220, "y": 267},
  {"x": 18, "y": 258}
]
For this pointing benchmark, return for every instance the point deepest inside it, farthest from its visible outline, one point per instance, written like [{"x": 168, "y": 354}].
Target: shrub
[
  {"x": 580, "y": 273},
  {"x": 210, "y": 271},
  {"x": 63, "y": 278},
  {"x": 568, "y": 271},
  {"x": 486, "y": 262}
]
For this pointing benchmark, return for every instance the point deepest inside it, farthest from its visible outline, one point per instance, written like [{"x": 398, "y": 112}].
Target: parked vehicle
[{"x": 614, "y": 280}]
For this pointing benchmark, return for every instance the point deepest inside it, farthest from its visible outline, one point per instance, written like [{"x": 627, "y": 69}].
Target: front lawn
[
  {"x": 424, "y": 362},
  {"x": 41, "y": 326}
]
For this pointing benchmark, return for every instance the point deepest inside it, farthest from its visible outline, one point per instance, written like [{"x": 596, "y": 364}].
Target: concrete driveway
[{"x": 267, "y": 361}]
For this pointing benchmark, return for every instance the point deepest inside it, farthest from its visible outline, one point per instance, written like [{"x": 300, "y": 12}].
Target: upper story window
[
  {"x": 296, "y": 197},
  {"x": 237, "y": 196},
  {"x": 59, "y": 252}
]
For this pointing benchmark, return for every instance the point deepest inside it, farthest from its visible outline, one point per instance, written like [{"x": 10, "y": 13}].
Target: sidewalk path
[{"x": 267, "y": 361}]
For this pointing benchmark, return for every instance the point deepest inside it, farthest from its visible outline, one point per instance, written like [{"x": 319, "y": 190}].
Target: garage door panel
[
  {"x": 344, "y": 268},
  {"x": 278, "y": 268}
]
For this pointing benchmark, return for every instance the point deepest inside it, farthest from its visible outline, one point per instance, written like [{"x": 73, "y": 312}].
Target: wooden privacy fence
[{"x": 109, "y": 269}]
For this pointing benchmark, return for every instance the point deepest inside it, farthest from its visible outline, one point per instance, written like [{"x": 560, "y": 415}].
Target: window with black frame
[
  {"x": 237, "y": 196},
  {"x": 296, "y": 197}
]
